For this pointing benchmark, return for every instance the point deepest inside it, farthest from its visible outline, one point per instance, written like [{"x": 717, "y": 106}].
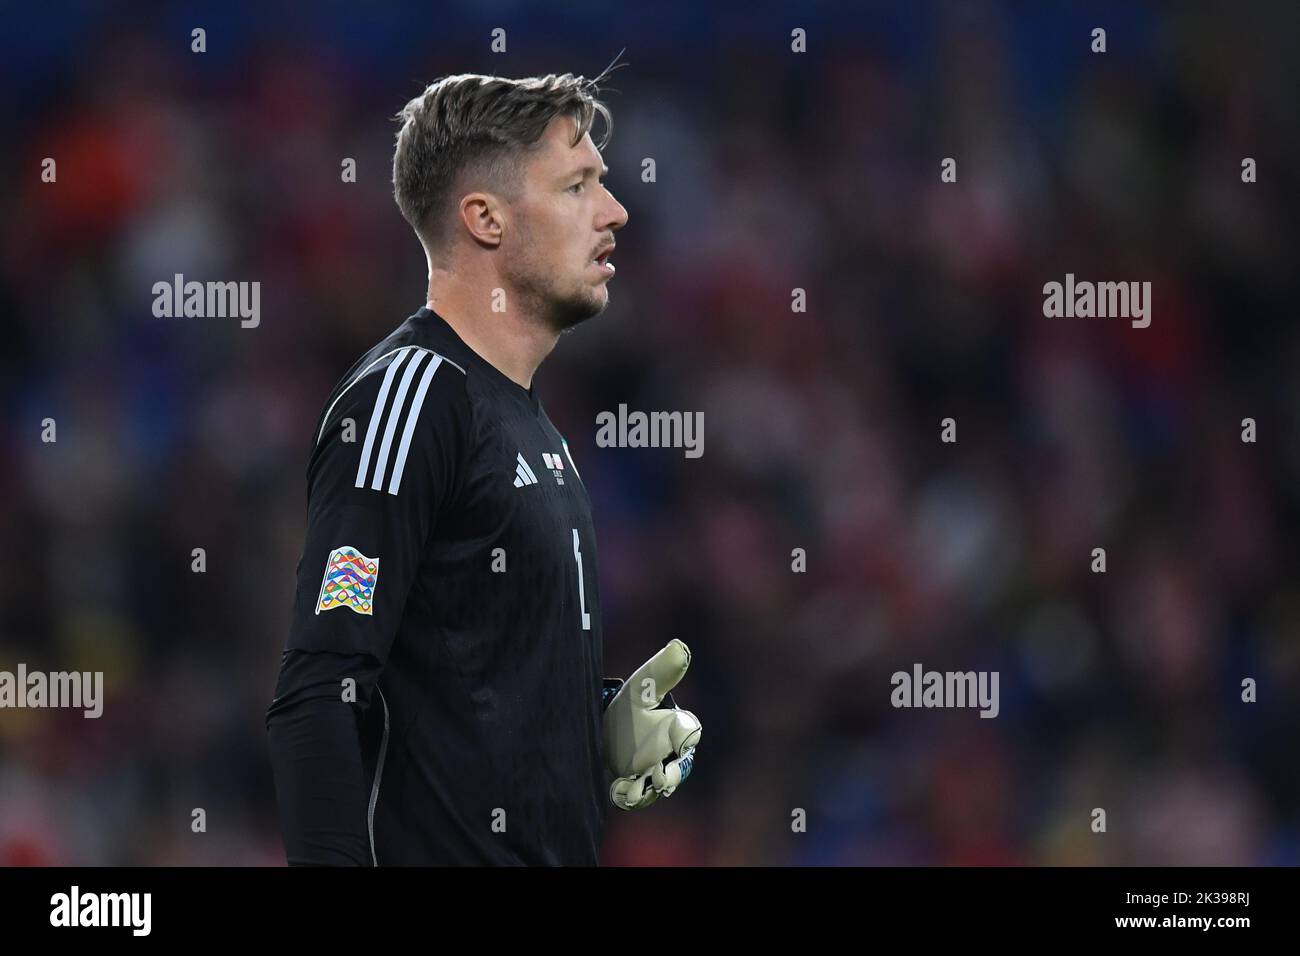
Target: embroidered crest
[{"x": 350, "y": 579}]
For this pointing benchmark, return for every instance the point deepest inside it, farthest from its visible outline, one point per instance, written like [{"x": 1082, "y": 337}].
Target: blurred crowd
[{"x": 775, "y": 171}]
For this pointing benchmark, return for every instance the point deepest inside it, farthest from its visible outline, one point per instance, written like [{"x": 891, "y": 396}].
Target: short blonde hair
[{"x": 481, "y": 126}]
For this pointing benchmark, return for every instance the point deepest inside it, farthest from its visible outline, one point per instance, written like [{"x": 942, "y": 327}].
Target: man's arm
[
  {"x": 316, "y": 759},
  {"x": 372, "y": 502}
]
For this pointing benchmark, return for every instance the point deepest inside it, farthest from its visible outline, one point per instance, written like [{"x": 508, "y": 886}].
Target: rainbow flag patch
[{"x": 350, "y": 579}]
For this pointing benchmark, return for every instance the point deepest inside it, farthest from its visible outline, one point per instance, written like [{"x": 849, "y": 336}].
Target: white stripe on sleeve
[
  {"x": 394, "y": 412},
  {"x": 375, "y": 416},
  {"x": 411, "y": 418}
]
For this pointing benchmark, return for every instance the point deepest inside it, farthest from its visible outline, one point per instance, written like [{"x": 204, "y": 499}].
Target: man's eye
[{"x": 575, "y": 186}]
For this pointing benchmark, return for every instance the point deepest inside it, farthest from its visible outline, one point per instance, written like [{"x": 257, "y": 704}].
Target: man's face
[{"x": 562, "y": 227}]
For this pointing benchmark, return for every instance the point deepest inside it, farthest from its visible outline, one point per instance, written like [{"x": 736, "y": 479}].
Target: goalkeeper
[{"x": 441, "y": 698}]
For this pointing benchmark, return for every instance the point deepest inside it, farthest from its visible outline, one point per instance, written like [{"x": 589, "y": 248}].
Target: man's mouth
[{"x": 602, "y": 261}]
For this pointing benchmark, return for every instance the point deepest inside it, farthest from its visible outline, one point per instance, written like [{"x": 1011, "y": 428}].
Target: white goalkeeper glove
[{"x": 649, "y": 741}]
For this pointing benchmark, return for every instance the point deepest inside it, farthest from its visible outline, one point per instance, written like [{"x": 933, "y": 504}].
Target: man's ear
[{"x": 482, "y": 214}]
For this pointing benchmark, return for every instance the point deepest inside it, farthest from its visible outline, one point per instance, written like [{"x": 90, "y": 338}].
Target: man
[{"x": 440, "y": 700}]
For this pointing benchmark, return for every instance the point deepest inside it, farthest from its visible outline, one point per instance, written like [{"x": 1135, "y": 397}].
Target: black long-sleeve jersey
[{"x": 439, "y": 700}]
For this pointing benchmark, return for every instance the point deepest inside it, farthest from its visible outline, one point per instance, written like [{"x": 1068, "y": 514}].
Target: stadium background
[{"x": 774, "y": 171}]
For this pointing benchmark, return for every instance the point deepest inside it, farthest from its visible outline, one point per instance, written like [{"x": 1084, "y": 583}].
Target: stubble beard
[{"x": 559, "y": 311}]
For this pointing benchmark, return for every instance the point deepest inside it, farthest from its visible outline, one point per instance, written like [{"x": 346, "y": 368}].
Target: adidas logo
[{"x": 523, "y": 474}]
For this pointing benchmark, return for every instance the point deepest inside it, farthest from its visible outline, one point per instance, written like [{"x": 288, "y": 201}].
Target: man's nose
[{"x": 615, "y": 216}]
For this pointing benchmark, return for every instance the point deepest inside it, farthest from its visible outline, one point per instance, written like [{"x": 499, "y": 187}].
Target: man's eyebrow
[{"x": 591, "y": 170}]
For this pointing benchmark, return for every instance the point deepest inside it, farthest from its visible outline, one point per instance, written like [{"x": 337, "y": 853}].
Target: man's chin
[{"x": 571, "y": 313}]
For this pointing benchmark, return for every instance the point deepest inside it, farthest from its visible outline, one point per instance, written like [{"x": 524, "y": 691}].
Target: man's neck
[{"x": 514, "y": 345}]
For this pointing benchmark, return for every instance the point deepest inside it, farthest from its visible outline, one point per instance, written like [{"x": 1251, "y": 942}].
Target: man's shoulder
[
  {"x": 401, "y": 408},
  {"x": 403, "y": 373}
]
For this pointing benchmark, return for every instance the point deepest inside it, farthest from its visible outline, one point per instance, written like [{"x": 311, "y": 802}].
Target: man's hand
[{"x": 650, "y": 741}]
